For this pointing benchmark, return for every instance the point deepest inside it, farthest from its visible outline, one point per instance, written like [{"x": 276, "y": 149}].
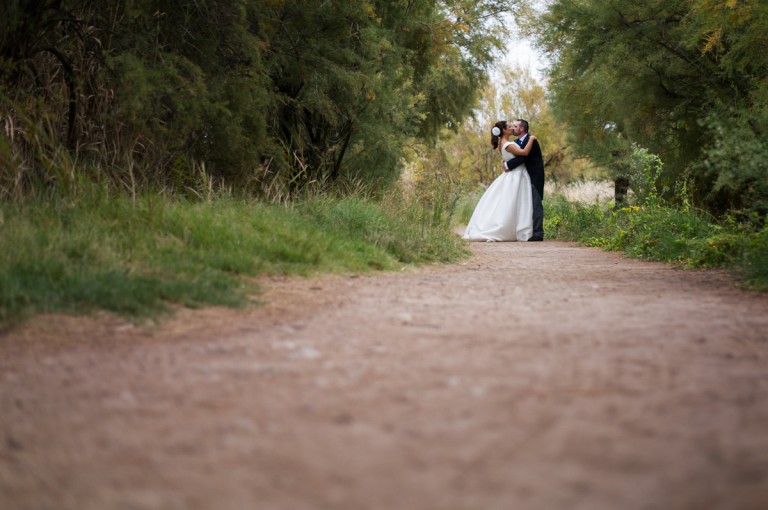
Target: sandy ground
[{"x": 532, "y": 376}]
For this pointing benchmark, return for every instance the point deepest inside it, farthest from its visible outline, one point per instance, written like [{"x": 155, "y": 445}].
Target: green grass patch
[
  {"x": 688, "y": 238},
  {"x": 139, "y": 257}
]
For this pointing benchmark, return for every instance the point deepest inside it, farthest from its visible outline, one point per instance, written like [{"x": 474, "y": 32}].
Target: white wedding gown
[{"x": 505, "y": 211}]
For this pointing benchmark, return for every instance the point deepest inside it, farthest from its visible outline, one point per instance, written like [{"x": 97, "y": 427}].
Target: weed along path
[{"x": 531, "y": 376}]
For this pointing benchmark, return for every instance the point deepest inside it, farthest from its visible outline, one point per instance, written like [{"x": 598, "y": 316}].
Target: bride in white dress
[{"x": 505, "y": 211}]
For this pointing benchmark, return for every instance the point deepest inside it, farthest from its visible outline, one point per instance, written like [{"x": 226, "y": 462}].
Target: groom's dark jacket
[{"x": 534, "y": 163}]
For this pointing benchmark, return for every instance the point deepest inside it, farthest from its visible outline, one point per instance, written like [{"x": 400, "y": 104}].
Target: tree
[
  {"x": 514, "y": 94},
  {"x": 367, "y": 77},
  {"x": 663, "y": 74},
  {"x": 147, "y": 87},
  {"x": 265, "y": 93}
]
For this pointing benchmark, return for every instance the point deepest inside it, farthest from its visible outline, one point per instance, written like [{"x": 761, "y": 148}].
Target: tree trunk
[{"x": 620, "y": 189}]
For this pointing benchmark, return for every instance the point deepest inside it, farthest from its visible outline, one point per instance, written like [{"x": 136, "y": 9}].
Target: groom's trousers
[{"x": 538, "y": 213}]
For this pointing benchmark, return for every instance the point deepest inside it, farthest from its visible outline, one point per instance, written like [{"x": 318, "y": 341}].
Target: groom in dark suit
[{"x": 534, "y": 163}]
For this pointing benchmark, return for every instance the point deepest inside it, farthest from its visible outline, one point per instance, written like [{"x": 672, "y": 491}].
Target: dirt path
[{"x": 533, "y": 376}]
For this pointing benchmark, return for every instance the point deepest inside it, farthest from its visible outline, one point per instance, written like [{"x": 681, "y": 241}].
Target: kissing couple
[{"x": 511, "y": 208}]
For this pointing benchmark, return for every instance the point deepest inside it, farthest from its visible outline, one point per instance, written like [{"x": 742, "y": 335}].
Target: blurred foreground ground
[{"x": 533, "y": 376}]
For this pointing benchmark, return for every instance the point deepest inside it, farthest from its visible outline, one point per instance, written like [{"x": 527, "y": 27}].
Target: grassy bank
[
  {"x": 689, "y": 238},
  {"x": 137, "y": 257}
]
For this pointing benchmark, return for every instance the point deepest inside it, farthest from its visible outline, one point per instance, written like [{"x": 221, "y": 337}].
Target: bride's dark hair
[{"x": 501, "y": 125}]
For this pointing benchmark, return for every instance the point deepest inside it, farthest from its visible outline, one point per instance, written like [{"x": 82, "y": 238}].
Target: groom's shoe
[{"x": 536, "y": 238}]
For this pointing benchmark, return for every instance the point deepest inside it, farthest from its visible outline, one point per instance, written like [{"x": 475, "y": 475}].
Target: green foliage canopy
[
  {"x": 263, "y": 93},
  {"x": 686, "y": 78}
]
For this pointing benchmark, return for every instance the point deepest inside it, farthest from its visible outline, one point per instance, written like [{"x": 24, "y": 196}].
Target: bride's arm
[{"x": 513, "y": 148}]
